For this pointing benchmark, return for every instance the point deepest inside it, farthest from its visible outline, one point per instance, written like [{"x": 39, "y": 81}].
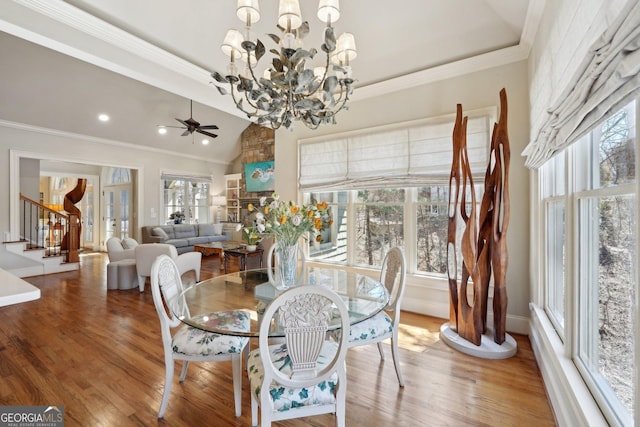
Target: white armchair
[
  {"x": 146, "y": 254},
  {"x": 118, "y": 250}
]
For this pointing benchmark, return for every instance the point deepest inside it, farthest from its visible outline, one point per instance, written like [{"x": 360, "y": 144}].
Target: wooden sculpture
[{"x": 483, "y": 243}]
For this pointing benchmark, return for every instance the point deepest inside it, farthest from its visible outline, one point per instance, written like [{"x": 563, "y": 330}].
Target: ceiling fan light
[
  {"x": 329, "y": 11},
  {"x": 289, "y": 16},
  {"x": 248, "y": 11}
]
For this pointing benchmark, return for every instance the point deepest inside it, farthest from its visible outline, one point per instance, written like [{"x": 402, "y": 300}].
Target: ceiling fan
[{"x": 190, "y": 126}]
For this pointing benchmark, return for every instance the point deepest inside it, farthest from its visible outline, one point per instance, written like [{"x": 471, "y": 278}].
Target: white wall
[
  {"x": 39, "y": 143},
  {"x": 473, "y": 91}
]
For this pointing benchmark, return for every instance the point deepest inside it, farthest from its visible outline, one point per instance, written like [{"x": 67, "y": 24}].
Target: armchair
[
  {"x": 118, "y": 250},
  {"x": 146, "y": 254}
]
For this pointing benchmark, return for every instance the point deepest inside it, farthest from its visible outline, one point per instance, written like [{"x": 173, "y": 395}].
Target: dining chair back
[
  {"x": 306, "y": 374},
  {"x": 191, "y": 344},
  {"x": 385, "y": 325},
  {"x": 146, "y": 254}
]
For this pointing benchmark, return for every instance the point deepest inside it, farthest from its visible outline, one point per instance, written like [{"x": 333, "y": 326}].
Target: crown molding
[{"x": 442, "y": 72}]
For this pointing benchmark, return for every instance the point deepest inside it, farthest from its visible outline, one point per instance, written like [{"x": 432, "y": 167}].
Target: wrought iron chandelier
[{"x": 288, "y": 91}]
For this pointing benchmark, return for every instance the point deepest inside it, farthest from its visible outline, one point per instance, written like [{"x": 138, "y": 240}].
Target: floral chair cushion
[
  {"x": 285, "y": 398},
  {"x": 193, "y": 341},
  {"x": 371, "y": 329}
]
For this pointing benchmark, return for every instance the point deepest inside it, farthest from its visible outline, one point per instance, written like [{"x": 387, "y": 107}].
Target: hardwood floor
[{"x": 99, "y": 354}]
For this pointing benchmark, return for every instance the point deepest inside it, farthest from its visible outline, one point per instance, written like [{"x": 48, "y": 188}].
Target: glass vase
[{"x": 286, "y": 265}]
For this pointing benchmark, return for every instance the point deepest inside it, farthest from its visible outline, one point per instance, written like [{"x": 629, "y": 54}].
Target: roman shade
[
  {"x": 410, "y": 154},
  {"x": 607, "y": 80}
]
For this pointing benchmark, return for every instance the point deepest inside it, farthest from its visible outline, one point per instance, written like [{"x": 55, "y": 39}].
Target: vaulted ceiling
[{"x": 141, "y": 62}]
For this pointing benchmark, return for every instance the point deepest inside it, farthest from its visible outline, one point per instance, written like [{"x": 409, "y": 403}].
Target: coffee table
[{"x": 217, "y": 248}]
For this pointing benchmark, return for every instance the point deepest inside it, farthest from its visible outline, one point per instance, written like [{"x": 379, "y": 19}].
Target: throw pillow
[
  {"x": 159, "y": 232},
  {"x": 129, "y": 243},
  {"x": 217, "y": 228},
  {"x": 206, "y": 230}
]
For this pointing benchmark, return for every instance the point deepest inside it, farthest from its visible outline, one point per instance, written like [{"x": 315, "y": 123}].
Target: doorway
[{"x": 117, "y": 211}]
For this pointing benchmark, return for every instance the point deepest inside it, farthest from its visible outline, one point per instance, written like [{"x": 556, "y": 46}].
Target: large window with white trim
[
  {"x": 601, "y": 261},
  {"x": 389, "y": 186},
  {"x": 186, "y": 200}
]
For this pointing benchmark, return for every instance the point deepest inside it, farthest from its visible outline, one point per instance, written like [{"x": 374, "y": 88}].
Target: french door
[{"x": 116, "y": 211}]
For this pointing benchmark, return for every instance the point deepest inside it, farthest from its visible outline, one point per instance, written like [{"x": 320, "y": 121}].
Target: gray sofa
[{"x": 183, "y": 236}]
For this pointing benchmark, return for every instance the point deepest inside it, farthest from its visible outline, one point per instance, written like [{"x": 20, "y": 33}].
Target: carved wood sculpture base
[{"x": 487, "y": 349}]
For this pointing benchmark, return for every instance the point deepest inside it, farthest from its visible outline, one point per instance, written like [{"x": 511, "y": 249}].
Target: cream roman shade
[
  {"x": 412, "y": 154},
  {"x": 607, "y": 80}
]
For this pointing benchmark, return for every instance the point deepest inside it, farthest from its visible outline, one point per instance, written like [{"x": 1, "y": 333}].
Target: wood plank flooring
[{"x": 99, "y": 354}]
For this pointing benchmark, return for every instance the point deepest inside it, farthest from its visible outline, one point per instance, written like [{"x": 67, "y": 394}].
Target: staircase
[
  {"x": 48, "y": 242},
  {"x": 20, "y": 261}
]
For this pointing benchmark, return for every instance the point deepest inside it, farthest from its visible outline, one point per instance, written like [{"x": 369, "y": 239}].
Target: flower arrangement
[
  {"x": 287, "y": 221},
  {"x": 251, "y": 235},
  {"x": 177, "y": 217}
]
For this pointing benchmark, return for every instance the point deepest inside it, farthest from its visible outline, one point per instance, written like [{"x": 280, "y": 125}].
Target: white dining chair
[
  {"x": 385, "y": 324},
  {"x": 306, "y": 375},
  {"x": 190, "y": 344}
]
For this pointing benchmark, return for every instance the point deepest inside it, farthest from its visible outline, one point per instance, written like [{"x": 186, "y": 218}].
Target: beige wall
[{"x": 473, "y": 91}]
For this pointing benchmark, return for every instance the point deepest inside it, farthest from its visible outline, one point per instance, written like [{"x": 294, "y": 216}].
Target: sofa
[{"x": 183, "y": 236}]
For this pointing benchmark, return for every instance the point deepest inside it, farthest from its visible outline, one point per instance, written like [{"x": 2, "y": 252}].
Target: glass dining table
[{"x": 249, "y": 292}]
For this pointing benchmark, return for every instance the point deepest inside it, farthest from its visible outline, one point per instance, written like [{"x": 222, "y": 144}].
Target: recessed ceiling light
[
  {"x": 162, "y": 130},
  {"x": 103, "y": 118},
  {"x": 205, "y": 142}
]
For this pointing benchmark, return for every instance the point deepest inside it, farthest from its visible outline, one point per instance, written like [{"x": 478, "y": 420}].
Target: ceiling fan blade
[
  {"x": 176, "y": 127},
  {"x": 183, "y": 122},
  {"x": 206, "y": 133},
  {"x": 209, "y": 127},
  {"x": 186, "y": 132}
]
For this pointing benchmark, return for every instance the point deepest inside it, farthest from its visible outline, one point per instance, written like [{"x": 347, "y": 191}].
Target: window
[
  {"x": 388, "y": 187},
  {"x": 607, "y": 244},
  {"x": 553, "y": 193},
  {"x": 366, "y": 223},
  {"x": 379, "y": 224},
  {"x": 186, "y": 200},
  {"x": 602, "y": 190}
]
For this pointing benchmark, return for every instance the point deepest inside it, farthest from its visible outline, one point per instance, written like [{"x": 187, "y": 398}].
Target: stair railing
[{"x": 45, "y": 228}]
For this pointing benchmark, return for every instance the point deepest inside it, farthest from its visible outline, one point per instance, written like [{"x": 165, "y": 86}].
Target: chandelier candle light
[{"x": 288, "y": 91}]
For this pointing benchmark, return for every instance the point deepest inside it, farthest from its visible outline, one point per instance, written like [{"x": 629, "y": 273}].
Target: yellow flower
[
  {"x": 288, "y": 221},
  {"x": 250, "y": 207}
]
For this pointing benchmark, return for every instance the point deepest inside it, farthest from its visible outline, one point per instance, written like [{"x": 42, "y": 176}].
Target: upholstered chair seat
[
  {"x": 379, "y": 327},
  {"x": 285, "y": 398}
]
